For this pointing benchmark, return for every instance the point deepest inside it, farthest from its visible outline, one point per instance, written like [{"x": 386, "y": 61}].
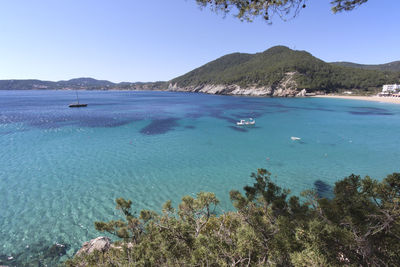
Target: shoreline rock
[
  {"x": 100, "y": 243},
  {"x": 234, "y": 89},
  {"x": 287, "y": 87}
]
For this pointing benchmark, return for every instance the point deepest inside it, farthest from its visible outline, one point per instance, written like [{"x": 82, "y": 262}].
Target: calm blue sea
[{"x": 61, "y": 169}]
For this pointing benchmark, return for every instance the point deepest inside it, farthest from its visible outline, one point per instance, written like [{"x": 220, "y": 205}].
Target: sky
[{"x": 154, "y": 40}]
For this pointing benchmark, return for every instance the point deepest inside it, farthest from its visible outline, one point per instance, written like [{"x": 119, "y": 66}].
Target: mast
[{"x": 77, "y": 98}]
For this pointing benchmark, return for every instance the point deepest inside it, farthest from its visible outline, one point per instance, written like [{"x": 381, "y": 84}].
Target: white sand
[{"x": 395, "y": 100}]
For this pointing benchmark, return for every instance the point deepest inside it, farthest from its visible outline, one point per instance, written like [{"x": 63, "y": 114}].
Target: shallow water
[{"x": 61, "y": 168}]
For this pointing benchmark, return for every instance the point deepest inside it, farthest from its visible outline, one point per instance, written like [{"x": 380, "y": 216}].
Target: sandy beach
[{"x": 394, "y": 100}]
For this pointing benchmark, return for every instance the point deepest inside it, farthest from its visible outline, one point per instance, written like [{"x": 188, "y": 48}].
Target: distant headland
[{"x": 78, "y": 84}]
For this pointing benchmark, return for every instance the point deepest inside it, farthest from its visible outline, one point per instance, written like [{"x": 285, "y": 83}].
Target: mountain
[
  {"x": 392, "y": 66},
  {"x": 79, "y": 84},
  {"x": 278, "y": 71},
  {"x": 90, "y": 82}
]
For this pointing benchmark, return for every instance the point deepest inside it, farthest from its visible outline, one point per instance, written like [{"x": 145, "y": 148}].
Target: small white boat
[
  {"x": 294, "y": 138},
  {"x": 246, "y": 122}
]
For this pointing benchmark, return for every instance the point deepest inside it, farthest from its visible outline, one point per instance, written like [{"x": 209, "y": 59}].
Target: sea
[{"x": 62, "y": 168}]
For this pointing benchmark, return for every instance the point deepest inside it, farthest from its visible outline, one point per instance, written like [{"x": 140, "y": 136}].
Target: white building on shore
[{"x": 390, "y": 89}]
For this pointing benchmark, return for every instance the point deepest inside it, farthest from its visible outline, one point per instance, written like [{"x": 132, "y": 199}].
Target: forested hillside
[
  {"x": 392, "y": 66},
  {"x": 269, "y": 68}
]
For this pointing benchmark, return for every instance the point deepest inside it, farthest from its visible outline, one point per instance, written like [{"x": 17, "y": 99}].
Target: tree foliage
[
  {"x": 358, "y": 226},
  {"x": 346, "y": 5},
  {"x": 250, "y": 9}
]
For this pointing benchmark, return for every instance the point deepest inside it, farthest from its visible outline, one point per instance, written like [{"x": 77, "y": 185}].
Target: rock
[
  {"x": 117, "y": 247},
  {"x": 287, "y": 87},
  {"x": 101, "y": 243},
  {"x": 302, "y": 93},
  {"x": 128, "y": 245}
]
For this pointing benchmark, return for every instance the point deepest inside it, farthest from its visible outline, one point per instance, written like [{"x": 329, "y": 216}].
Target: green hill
[
  {"x": 392, "y": 66},
  {"x": 270, "y": 68}
]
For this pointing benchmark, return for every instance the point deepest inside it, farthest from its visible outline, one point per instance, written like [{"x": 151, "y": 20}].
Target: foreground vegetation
[
  {"x": 358, "y": 226},
  {"x": 247, "y": 10}
]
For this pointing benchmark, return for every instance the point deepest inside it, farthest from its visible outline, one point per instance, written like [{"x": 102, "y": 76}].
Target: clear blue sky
[{"x": 149, "y": 40}]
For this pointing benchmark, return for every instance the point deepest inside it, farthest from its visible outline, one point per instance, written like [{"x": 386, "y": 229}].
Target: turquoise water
[{"x": 61, "y": 169}]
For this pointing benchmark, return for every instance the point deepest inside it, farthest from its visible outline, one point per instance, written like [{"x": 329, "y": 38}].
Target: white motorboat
[
  {"x": 246, "y": 122},
  {"x": 294, "y": 138}
]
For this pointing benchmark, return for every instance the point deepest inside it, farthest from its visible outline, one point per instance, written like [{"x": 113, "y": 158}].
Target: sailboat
[{"x": 77, "y": 104}]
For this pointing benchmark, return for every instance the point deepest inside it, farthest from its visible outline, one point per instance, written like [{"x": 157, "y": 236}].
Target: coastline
[
  {"x": 393, "y": 100},
  {"x": 374, "y": 98}
]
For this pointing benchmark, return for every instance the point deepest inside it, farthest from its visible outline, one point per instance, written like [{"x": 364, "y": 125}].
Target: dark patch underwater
[
  {"x": 323, "y": 189},
  {"x": 160, "y": 126}
]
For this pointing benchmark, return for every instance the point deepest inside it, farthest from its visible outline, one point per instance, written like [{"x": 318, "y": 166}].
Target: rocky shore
[
  {"x": 219, "y": 89},
  {"x": 287, "y": 87}
]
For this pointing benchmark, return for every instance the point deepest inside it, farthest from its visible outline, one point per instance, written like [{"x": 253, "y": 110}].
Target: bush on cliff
[{"x": 358, "y": 226}]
